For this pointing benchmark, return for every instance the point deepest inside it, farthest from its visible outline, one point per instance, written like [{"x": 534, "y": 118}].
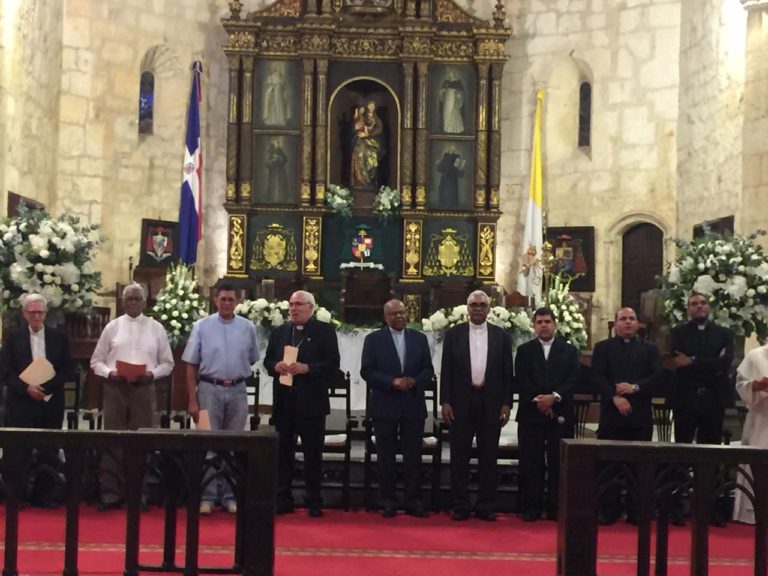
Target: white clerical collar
[
  {"x": 39, "y": 334},
  {"x": 478, "y": 327},
  {"x": 134, "y": 319},
  {"x": 396, "y": 332},
  {"x": 546, "y": 342}
]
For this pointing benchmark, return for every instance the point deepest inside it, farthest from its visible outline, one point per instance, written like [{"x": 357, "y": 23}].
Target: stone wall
[
  {"x": 712, "y": 56},
  {"x": 629, "y": 51},
  {"x": 29, "y": 98}
]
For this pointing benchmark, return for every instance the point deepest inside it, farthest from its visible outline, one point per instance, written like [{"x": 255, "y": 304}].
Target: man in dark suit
[
  {"x": 397, "y": 366},
  {"x": 475, "y": 393},
  {"x": 546, "y": 371},
  {"x": 701, "y": 386},
  {"x": 627, "y": 372},
  {"x": 37, "y": 406},
  {"x": 300, "y": 397}
]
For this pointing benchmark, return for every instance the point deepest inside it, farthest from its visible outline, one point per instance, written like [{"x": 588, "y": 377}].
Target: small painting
[
  {"x": 276, "y": 90},
  {"x": 452, "y": 175},
  {"x": 452, "y": 95},
  {"x": 275, "y": 170},
  {"x": 573, "y": 249},
  {"x": 158, "y": 243}
]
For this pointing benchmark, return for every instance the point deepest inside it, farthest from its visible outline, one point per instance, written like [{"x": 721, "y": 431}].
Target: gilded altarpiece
[{"x": 364, "y": 94}]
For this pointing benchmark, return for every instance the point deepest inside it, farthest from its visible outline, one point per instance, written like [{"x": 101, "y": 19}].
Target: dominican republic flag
[{"x": 191, "y": 207}]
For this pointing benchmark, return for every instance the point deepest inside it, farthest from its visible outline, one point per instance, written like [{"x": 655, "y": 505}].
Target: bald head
[
  {"x": 394, "y": 314},
  {"x": 625, "y": 323}
]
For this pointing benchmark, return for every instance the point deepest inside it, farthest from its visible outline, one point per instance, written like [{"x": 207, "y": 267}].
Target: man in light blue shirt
[{"x": 219, "y": 355}]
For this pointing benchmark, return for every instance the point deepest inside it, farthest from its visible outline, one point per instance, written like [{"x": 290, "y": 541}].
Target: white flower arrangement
[
  {"x": 339, "y": 200},
  {"x": 732, "y": 271},
  {"x": 48, "y": 256},
  {"x": 386, "y": 202},
  {"x": 514, "y": 320},
  {"x": 570, "y": 321},
  {"x": 178, "y": 305},
  {"x": 271, "y": 314}
]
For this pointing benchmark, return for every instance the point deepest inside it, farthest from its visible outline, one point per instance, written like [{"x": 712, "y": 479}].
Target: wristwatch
[
  {"x": 557, "y": 397},
  {"x": 635, "y": 388}
]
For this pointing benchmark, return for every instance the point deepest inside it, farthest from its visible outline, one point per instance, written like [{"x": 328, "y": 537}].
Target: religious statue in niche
[
  {"x": 368, "y": 147},
  {"x": 451, "y": 175},
  {"x": 452, "y": 104},
  {"x": 275, "y": 108},
  {"x": 277, "y": 177}
]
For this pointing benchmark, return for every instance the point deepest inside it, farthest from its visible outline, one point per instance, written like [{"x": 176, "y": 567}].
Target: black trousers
[
  {"x": 540, "y": 458},
  {"x": 312, "y": 433},
  {"x": 487, "y": 428},
  {"x": 610, "y": 504},
  {"x": 410, "y": 435},
  {"x": 701, "y": 417},
  {"x": 45, "y": 465}
]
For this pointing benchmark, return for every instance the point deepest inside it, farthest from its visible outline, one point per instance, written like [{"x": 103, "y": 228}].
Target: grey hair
[
  {"x": 479, "y": 293},
  {"x": 30, "y": 298},
  {"x": 306, "y": 296},
  {"x": 134, "y": 287}
]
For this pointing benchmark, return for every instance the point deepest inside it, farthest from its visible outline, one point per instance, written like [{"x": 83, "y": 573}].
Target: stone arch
[
  {"x": 612, "y": 252},
  {"x": 566, "y": 76},
  {"x": 158, "y": 64}
]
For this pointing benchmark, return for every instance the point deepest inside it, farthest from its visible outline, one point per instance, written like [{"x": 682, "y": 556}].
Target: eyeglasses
[
  {"x": 294, "y": 304},
  {"x": 478, "y": 305}
]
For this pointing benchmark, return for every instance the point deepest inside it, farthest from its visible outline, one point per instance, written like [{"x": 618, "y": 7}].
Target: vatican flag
[{"x": 530, "y": 277}]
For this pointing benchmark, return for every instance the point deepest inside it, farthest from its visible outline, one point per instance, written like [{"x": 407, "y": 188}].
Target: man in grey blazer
[
  {"x": 475, "y": 393},
  {"x": 397, "y": 366}
]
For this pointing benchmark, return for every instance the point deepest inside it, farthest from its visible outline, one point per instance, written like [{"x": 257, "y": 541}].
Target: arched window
[
  {"x": 146, "y": 102},
  {"x": 585, "y": 114}
]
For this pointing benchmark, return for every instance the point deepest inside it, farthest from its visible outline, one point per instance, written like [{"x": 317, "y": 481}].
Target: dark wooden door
[{"x": 642, "y": 260}]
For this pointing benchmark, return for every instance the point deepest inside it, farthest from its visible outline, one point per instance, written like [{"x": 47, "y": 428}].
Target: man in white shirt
[
  {"x": 128, "y": 402},
  {"x": 475, "y": 393}
]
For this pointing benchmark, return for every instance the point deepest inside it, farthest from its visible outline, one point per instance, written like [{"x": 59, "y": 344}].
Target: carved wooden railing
[
  {"x": 655, "y": 474},
  {"x": 181, "y": 465}
]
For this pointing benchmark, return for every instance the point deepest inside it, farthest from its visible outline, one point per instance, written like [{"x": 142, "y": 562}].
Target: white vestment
[{"x": 755, "y": 433}]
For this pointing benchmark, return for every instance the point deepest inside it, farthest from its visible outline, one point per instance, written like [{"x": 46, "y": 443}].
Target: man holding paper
[
  {"x": 303, "y": 358},
  {"x": 132, "y": 352},
  {"x": 36, "y": 364},
  {"x": 219, "y": 355}
]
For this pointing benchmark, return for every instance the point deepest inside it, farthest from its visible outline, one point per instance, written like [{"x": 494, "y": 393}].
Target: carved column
[
  {"x": 305, "y": 194},
  {"x": 321, "y": 131},
  {"x": 424, "y": 9},
  {"x": 406, "y": 158},
  {"x": 410, "y": 8},
  {"x": 233, "y": 127},
  {"x": 495, "y": 124},
  {"x": 481, "y": 143},
  {"x": 246, "y": 132},
  {"x": 422, "y": 78}
]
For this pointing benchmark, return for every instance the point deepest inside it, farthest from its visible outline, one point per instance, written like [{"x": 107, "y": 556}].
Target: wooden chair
[{"x": 431, "y": 445}]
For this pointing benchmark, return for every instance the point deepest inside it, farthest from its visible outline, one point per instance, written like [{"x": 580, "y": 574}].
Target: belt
[{"x": 225, "y": 383}]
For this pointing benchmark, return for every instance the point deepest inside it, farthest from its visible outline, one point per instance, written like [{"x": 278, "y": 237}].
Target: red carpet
[{"x": 372, "y": 545}]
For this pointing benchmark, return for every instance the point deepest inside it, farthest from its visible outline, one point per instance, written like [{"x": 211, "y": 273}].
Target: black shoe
[
  {"x": 485, "y": 515},
  {"x": 552, "y": 515},
  {"x": 44, "y": 504},
  {"x": 718, "y": 521},
  {"x": 107, "y": 506},
  {"x": 284, "y": 508},
  {"x": 632, "y": 519},
  {"x": 459, "y": 515},
  {"x": 417, "y": 512},
  {"x": 607, "y": 519},
  {"x": 314, "y": 512},
  {"x": 531, "y": 516},
  {"x": 677, "y": 518},
  {"x": 388, "y": 512}
]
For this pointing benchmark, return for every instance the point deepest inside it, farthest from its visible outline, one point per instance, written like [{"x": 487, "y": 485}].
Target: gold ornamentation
[
  {"x": 447, "y": 11},
  {"x": 289, "y": 8},
  {"x": 448, "y": 254},
  {"x": 412, "y": 305},
  {"x": 486, "y": 247},
  {"x": 366, "y": 47},
  {"x": 313, "y": 227},
  {"x": 278, "y": 44},
  {"x": 421, "y": 197},
  {"x": 274, "y": 249},
  {"x": 247, "y": 93},
  {"x": 416, "y": 46},
  {"x": 453, "y": 49},
  {"x": 494, "y": 198},
  {"x": 491, "y": 49},
  {"x": 406, "y": 198},
  {"x": 306, "y": 194},
  {"x": 231, "y": 191},
  {"x": 236, "y": 261},
  {"x": 319, "y": 193},
  {"x": 412, "y": 248},
  {"x": 315, "y": 43},
  {"x": 245, "y": 192},
  {"x": 241, "y": 40},
  {"x": 480, "y": 199},
  {"x": 235, "y": 7}
]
